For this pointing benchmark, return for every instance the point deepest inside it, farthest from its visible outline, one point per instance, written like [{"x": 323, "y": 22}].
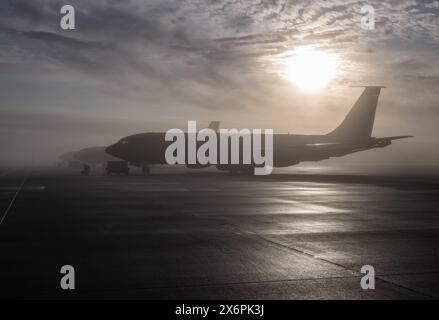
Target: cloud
[
  {"x": 207, "y": 58},
  {"x": 171, "y": 40}
]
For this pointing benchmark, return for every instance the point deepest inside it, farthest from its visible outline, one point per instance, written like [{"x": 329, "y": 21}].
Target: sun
[{"x": 310, "y": 69}]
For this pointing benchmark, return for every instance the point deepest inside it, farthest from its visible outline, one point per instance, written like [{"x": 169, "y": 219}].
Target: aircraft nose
[{"x": 113, "y": 150}]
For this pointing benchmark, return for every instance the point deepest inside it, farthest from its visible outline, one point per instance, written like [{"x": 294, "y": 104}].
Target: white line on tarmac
[
  {"x": 12, "y": 201},
  {"x": 28, "y": 188}
]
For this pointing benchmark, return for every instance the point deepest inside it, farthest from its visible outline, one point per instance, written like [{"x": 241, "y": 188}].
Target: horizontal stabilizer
[
  {"x": 214, "y": 125},
  {"x": 394, "y": 138}
]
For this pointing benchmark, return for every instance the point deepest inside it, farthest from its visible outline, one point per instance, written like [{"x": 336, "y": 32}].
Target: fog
[{"x": 152, "y": 66}]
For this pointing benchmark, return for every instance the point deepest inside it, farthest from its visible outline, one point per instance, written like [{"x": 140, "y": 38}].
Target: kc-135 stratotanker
[{"x": 353, "y": 135}]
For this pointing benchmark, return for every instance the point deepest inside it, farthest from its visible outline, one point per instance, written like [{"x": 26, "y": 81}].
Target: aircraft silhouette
[
  {"x": 91, "y": 155},
  {"x": 353, "y": 135}
]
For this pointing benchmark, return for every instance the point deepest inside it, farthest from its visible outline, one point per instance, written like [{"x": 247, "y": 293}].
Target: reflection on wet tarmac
[{"x": 215, "y": 235}]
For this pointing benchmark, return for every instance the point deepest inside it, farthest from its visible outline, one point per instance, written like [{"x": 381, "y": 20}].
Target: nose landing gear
[
  {"x": 86, "y": 170},
  {"x": 146, "y": 170}
]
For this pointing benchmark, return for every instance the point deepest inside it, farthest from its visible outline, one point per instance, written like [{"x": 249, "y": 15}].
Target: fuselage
[
  {"x": 354, "y": 134},
  {"x": 150, "y": 148}
]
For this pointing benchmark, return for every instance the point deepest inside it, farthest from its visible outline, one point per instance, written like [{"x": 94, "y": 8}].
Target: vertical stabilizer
[{"x": 358, "y": 124}]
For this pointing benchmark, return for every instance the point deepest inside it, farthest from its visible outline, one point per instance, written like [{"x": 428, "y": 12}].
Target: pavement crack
[{"x": 355, "y": 272}]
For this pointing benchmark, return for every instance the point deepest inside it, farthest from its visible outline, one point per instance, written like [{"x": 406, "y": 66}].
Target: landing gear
[
  {"x": 241, "y": 169},
  {"x": 117, "y": 167},
  {"x": 86, "y": 170},
  {"x": 146, "y": 170}
]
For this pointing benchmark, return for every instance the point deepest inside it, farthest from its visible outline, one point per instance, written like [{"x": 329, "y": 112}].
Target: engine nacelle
[
  {"x": 245, "y": 168},
  {"x": 197, "y": 166}
]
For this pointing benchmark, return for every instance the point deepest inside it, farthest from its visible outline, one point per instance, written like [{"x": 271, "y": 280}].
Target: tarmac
[{"x": 214, "y": 235}]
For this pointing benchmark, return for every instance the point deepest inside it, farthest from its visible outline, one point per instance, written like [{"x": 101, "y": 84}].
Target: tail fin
[
  {"x": 214, "y": 125},
  {"x": 358, "y": 124}
]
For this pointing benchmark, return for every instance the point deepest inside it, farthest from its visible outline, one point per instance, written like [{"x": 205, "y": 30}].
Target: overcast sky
[{"x": 137, "y": 66}]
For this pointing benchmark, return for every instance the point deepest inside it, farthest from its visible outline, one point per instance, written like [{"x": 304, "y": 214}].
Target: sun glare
[{"x": 311, "y": 69}]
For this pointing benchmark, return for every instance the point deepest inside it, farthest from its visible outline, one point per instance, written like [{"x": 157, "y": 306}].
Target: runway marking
[
  {"x": 12, "y": 201},
  {"x": 28, "y": 188}
]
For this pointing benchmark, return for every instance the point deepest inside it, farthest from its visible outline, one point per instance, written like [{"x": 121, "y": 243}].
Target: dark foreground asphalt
[{"x": 214, "y": 235}]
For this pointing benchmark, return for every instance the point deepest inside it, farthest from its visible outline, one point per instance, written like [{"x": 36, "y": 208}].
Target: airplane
[
  {"x": 66, "y": 157},
  {"x": 94, "y": 156},
  {"x": 214, "y": 125},
  {"x": 354, "y": 134},
  {"x": 91, "y": 155}
]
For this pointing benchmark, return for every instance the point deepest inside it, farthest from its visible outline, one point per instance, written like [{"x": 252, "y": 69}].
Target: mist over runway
[{"x": 209, "y": 235}]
